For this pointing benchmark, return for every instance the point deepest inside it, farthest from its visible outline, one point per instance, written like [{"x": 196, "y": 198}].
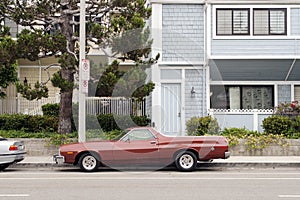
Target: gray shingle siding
[
  {"x": 194, "y": 105},
  {"x": 183, "y": 33},
  {"x": 295, "y": 21},
  {"x": 255, "y": 47}
]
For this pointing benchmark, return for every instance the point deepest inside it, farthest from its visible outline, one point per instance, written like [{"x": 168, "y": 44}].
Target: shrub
[
  {"x": 278, "y": 125},
  {"x": 42, "y": 123},
  {"x": 239, "y": 132},
  {"x": 202, "y": 125},
  {"x": 13, "y": 121},
  {"x": 28, "y": 123},
  {"x": 288, "y": 109},
  {"x": 22, "y": 134},
  {"x": 253, "y": 139},
  {"x": 51, "y": 109},
  {"x": 296, "y": 125}
]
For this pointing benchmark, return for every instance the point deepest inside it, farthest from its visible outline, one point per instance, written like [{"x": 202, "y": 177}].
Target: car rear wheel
[
  {"x": 88, "y": 162},
  {"x": 3, "y": 167},
  {"x": 186, "y": 161}
]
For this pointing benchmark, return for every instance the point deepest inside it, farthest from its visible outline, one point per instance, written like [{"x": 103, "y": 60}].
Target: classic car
[
  {"x": 142, "y": 146},
  {"x": 10, "y": 152}
]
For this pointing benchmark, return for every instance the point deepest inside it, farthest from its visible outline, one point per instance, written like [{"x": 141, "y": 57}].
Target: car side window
[{"x": 135, "y": 135}]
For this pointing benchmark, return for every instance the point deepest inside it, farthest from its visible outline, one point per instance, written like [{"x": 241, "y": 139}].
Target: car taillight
[{"x": 13, "y": 148}]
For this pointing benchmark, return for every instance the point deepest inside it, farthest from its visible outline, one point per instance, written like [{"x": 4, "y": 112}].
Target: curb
[
  {"x": 251, "y": 165},
  {"x": 200, "y": 165}
]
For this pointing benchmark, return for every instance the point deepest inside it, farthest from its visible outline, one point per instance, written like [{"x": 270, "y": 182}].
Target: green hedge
[
  {"x": 28, "y": 123},
  {"x": 51, "y": 109},
  {"x": 202, "y": 125},
  {"x": 282, "y": 125},
  {"x": 49, "y": 123}
]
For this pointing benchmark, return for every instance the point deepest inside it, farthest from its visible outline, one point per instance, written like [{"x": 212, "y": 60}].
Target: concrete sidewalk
[{"x": 233, "y": 161}]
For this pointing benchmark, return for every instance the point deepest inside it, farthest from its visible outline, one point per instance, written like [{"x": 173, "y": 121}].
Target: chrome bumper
[
  {"x": 226, "y": 155},
  {"x": 58, "y": 159}
]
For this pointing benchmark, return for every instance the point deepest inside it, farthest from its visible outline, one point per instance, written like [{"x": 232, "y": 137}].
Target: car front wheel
[
  {"x": 88, "y": 163},
  {"x": 186, "y": 161}
]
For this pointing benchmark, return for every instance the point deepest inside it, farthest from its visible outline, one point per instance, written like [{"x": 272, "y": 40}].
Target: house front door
[{"x": 171, "y": 108}]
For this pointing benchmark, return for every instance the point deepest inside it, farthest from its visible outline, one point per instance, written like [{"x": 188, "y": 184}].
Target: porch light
[{"x": 193, "y": 92}]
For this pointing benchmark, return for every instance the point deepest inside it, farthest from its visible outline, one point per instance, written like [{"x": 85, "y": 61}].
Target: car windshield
[
  {"x": 1, "y": 138},
  {"x": 120, "y": 135},
  {"x": 137, "y": 135}
]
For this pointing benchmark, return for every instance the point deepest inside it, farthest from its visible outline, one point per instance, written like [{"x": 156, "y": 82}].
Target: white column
[
  {"x": 255, "y": 119},
  {"x": 155, "y": 75}
]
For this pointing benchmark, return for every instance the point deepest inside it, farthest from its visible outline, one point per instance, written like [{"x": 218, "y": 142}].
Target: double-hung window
[
  {"x": 233, "y": 21},
  {"x": 269, "y": 21}
]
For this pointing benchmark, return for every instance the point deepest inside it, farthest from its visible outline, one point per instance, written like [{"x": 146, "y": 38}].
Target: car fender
[
  {"x": 184, "y": 150},
  {"x": 94, "y": 153}
]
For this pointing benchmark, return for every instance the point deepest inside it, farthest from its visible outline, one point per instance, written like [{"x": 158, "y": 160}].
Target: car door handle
[{"x": 153, "y": 142}]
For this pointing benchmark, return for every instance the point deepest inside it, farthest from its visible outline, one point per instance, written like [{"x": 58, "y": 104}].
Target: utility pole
[{"x": 82, "y": 95}]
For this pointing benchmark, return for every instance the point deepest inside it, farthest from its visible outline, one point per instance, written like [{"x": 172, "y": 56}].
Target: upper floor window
[
  {"x": 269, "y": 22},
  {"x": 233, "y": 21}
]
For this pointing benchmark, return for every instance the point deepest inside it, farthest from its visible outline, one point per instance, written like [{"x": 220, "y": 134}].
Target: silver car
[{"x": 10, "y": 152}]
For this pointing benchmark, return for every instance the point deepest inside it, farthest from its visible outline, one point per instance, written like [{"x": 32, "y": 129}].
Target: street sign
[
  {"x": 85, "y": 66},
  {"x": 85, "y": 86}
]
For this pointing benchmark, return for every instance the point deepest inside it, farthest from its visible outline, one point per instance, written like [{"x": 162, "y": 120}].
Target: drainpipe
[{"x": 205, "y": 85}]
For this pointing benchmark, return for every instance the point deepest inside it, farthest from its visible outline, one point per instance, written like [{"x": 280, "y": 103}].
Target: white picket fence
[
  {"x": 12, "y": 105},
  {"x": 114, "y": 105},
  {"x": 94, "y": 106}
]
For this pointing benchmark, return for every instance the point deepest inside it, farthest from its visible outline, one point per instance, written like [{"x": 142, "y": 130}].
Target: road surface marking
[
  {"x": 14, "y": 195},
  {"x": 143, "y": 178},
  {"x": 289, "y": 196}
]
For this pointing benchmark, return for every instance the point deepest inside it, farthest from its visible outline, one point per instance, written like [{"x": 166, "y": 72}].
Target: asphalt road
[{"x": 233, "y": 184}]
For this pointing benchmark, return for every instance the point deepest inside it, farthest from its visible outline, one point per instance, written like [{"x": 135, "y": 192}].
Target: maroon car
[{"x": 145, "y": 146}]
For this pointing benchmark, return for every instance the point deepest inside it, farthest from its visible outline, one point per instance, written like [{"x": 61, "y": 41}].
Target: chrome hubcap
[
  {"x": 89, "y": 162},
  {"x": 186, "y": 161}
]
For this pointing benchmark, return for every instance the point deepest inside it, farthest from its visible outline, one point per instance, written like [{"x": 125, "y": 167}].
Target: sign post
[
  {"x": 85, "y": 64},
  {"x": 81, "y": 100}
]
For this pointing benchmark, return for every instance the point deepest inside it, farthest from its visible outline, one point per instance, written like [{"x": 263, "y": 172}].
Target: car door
[{"x": 139, "y": 146}]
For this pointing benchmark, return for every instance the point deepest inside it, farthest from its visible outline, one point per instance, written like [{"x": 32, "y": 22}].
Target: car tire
[
  {"x": 3, "y": 167},
  {"x": 186, "y": 161},
  {"x": 89, "y": 162}
]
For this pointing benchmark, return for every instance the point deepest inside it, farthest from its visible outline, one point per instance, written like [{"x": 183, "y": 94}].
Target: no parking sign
[
  {"x": 85, "y": 76},
  {"x": 85, "y": 69}
]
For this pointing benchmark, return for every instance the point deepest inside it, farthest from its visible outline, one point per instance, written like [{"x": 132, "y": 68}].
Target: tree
[
  {"x": 108, "y": 80},
  {"x": 52, "y": 30},
  {"x": 8, "y": 59},
  {"x": 114, "y": 82}
]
